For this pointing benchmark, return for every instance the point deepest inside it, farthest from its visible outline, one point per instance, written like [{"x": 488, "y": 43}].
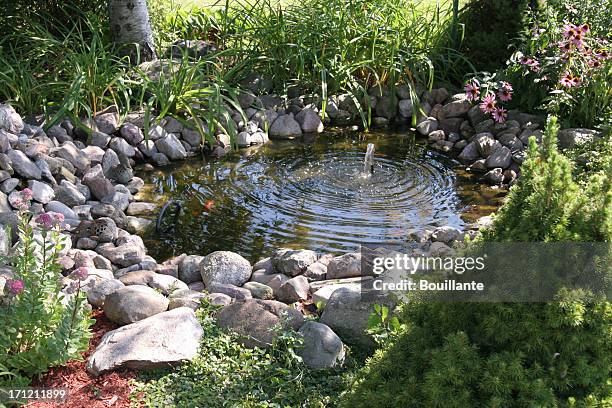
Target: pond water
[{"x": 312, "y": 193}]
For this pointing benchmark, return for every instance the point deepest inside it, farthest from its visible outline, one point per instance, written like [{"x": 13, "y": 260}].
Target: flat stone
[
  {"x": 61, "y": 208},
  {"x": 162, "y": 340},
  {"x": 232, "y": 291},
  {"x": 41, "y": 192},
  {"x": 141, "y": 208},
  {"x": 259, "y": 290},
  {"x": 23, "y": 166}
]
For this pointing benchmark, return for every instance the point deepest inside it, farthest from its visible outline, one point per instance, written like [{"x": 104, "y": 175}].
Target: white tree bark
[{"x": 131, "y": 27}]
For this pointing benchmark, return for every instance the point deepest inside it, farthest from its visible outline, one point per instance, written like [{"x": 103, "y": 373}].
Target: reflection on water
[{"x": 311, "y": 194}]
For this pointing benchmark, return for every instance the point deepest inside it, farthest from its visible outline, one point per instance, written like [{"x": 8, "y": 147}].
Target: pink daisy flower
[
  {"x": 499, "y": 114},
  {"x": 584, "y": 29},
  {"x": 488, "y": 103},
  {"x": 569, "y": 81},
  {"x": 569, "y": 31},
  {"x": 472, "y": 91},
  {"x": 505, "y": 91}
]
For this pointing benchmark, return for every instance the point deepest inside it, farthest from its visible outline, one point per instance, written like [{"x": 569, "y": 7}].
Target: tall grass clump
[
  {"x": 335, "y": 44},
  {"x": 62, "y": 68}
]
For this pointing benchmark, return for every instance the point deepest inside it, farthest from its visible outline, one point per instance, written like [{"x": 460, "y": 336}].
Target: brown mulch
[{"x": 84, "y": 390}]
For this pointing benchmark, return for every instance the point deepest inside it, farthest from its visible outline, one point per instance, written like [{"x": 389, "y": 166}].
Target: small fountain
[{"x": 368, "y": 164}]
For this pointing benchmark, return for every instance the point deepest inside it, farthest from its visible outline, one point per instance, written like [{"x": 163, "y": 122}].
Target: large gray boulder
[
  {"x": 172, "y": 147},
  {"x": 344, "y": 266},
  {"x": 133, "y": 303},
  {"x": 309, "y": 121},
  {"x": 322, "y": 348},
  {"x": 253, "y": 320},
  {"x": 347, "y": 312},
  {"x": 285, "y": 126},
  {"x": 189, "y": 268},
  {"x": 101, "y": 290},
  {"x": 225, "y": 267},
  {"x": 293, "y": 262},
  {"x": 294, "y": 290},
  {"x": 162, "y": 340},
  {"x": 501, "y": 157}
]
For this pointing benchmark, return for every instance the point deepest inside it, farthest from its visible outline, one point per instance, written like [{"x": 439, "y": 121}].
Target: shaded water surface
[{"x": 313, "y": 194}]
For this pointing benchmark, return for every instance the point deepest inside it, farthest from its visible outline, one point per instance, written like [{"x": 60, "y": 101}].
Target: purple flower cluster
[
  {"x": 22, "y": 202},
  {"x": 49, "y": 219},
  {"x": 15, "y": 286}
]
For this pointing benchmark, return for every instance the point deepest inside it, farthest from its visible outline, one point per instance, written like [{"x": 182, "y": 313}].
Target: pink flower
[
  {"x": 80, "y": 273},
  {"x": 505, "y": 91},
  {"x": 472, "y": 91},
  {"x": 504, "y": 95},
  {"x": 15, "y": 286},
  {"x": 569, "y": 31},
  {"x": 594, "y": 63},
  {"x": 500, "y": 114},
  {"x": 26, "y": 194},
  {"x": 584, "y": 29},
  {"x": 565, "y": 47},
  {"x": 45, "y": 220},
  {"x": 601, "y": 54},
  {"x": 72, "y": 287},
  {"x": 488, "y": 103},
  {"x": 59, "y": 217},
  {"x": 569, "y": 81}
]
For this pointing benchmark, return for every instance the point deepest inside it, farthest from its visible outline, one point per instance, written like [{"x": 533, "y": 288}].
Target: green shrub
[
  {"x": 491, "y": 26},
  {"x": 226, "y": 374},
  {"x": 41, "y": 326},
  {"x": 510, "y": 354}
]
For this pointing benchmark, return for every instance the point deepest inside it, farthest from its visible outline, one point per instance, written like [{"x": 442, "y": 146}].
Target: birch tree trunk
[{"x": 131, "y": 28}]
